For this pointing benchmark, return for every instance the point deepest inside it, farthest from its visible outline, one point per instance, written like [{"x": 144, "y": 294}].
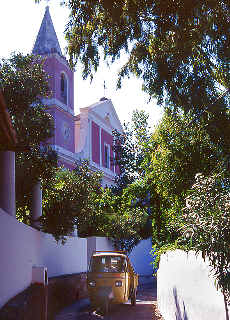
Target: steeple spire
[{"x": 47, "y": 41}]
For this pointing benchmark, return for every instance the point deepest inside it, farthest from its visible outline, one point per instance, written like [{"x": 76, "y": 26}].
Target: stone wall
[
  {"x": 65, "y": 290},
  {"x": 60, "y": 292}
]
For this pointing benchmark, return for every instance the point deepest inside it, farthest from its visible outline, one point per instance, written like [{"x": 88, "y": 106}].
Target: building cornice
[
  {"x": 64, "y": 154},
  {"x": 58, "y": 104},
  {"x": 57, "y": 56}
]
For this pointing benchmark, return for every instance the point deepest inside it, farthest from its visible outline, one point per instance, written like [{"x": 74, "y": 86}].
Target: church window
[
  {"x": 107, "y": 157},
  {"x": 64, "y": 88}
]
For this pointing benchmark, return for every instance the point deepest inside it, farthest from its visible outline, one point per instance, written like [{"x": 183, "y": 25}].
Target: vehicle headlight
[
  {"x": 118, "y": 283},
  {"x": 92, "y": 283}
]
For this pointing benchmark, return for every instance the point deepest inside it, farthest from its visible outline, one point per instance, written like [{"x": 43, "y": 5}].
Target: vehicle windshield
[{"x": 107, "y": 264}]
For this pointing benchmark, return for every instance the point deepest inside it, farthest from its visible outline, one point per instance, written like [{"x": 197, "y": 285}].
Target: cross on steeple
[{"x": 105, "y": 88}]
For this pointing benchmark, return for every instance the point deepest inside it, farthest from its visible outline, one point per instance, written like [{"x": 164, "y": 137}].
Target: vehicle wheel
[{"x": 133, "y": 297}]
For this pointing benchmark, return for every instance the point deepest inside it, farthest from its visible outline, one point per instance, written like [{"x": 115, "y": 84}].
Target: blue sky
[{"x": 19, "y": 25}]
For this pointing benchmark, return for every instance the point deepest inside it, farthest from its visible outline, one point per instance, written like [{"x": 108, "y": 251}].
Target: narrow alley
[{"x": 145, "y": 309}]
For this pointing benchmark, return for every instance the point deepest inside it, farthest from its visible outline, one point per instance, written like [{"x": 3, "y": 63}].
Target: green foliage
[
  {"x": 24, "y": 83},
  {"x": 157, "y": 252},
  {"x": 178, "y": 48},
  {"x": 76, "y": 199},
  {"x": 129, "y": 148},
  {"x": 129, "y": 219},
  {"x": 126, "y": 228},
  {"x": 179, "y": 149},
  {"x": 132, "y": 221},
  {"x": 70, "y": 200}
]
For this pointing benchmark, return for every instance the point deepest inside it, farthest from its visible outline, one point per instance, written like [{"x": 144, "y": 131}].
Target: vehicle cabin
[{"x": 111, "y": 279}]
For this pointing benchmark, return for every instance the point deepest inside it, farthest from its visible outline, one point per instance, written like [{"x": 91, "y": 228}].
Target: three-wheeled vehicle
[{"x": 111, "y": 279}]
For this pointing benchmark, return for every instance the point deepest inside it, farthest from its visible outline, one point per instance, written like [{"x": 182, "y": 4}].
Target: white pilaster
[
  {"x": 100, "y": 147},
  {"x": 7, "y": 182},
  {"x": 90, "y": 140},
  {"x": 36, "y": 205}
]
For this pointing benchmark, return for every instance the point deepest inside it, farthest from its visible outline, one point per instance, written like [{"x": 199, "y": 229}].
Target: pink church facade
[
  {"x": 87, "y": 135},
  {"x": 94, "y": 137}
]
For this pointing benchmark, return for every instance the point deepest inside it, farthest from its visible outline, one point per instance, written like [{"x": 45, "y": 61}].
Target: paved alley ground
[{"x": 145, "y": 309}]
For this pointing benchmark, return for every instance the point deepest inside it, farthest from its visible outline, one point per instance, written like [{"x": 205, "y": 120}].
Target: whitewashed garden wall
[
  {"x": 186, "y": 290},
  {"x": 22, "y": 247}
]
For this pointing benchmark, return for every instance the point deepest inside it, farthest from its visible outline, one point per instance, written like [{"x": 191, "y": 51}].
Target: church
[{"x": 87, "y": 135}]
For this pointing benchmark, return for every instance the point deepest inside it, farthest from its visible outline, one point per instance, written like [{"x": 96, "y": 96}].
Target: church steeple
[
  {"x": 47, "y": 41},
  {"x": 60, "y": 103}
]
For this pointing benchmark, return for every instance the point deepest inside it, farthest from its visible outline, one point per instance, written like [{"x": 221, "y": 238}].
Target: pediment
[{"x": 105, "y": 111}]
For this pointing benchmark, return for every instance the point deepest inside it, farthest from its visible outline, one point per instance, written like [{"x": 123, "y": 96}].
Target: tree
[
  {"x": 129, "y": 217},
  {"x": 178, "y": 48},
  {"x": 180, "y": 148},
  {"x": 129, "y": 190},
  {"x": 75, "y": 199},
  {"x": 24, "y": 83},
  {"x": 70, "y": 200},
  {"x": 129, "y": 148},
  {"x": 158, "y": 169}
]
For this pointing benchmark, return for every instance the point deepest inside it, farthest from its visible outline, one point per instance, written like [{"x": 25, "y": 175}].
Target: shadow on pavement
[
  {"x": 121, "y": 312},
  {"x": 146, "y": 296}
]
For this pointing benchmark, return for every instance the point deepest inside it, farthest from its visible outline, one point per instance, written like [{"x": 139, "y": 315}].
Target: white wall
[
  {"x": 22, "y": 247},
  {"x": 186, "y": 290},
  {"x": 64, "y": 259},
  {"x": 141, "y": 258},
  {"x": 103, "y": 244},
  {"x": 98, "y": 243}
]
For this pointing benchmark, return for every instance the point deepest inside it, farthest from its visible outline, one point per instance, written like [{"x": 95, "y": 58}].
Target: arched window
[{"x": 63, "y": 87}]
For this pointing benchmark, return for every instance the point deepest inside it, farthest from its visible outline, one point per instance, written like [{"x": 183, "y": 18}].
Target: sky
[{"x": 20, "y": 21}]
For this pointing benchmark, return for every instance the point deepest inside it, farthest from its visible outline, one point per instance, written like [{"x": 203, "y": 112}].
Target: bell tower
[{"x": 60, "y": 104}]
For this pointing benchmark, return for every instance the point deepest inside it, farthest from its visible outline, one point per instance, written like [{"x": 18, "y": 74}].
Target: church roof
[
  {"x": 103, "y": 108},
  {"x": 47, "y": 41}
]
